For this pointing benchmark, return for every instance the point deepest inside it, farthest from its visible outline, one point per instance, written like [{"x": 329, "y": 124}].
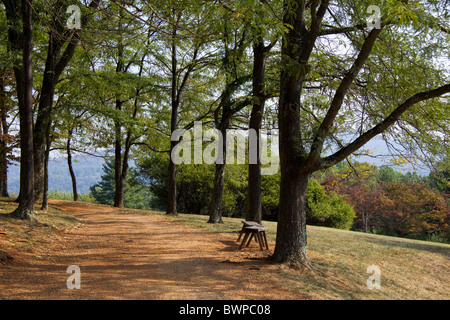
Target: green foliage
[
  {"x": 136, "y": 195},
  {"x": 63, "y": 195},
  {"x": 194, "y": 186},
  {"x": 330, "y": 210}
]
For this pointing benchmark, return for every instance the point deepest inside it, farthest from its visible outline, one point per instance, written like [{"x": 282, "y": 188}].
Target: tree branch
[
  {"x": 382, "y": 126},
  {"x": 339, "y": 30},
  {"x": 338, "y": 99}
]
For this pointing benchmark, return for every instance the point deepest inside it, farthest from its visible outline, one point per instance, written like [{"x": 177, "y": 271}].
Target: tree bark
[
  {"x": 25, "y": 209},
  {"x": 215, "y": 206},
  {"x": 3, "y": 140},
  {"x": 291, "y": 228},
  {"x": 119, "y": 185},
  {"x": 177, "y": 90},
  {"x": 296, "y": 50},
  {"x": 254, "y": 212},
  {"x": 172, "y": 183},
  {"x": 72, "y": 173},
  {"x": 47, "y": 157},
  {"x": 175, "y": 103},
  {"x": 118, "y": 181},
  {"x": 229, "y": 108},
  {"x": 54, "y": 66},
  {"x": 44, "y": 112}
]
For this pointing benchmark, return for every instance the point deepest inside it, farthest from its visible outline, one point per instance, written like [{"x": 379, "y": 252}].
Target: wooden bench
[
  {"x": 253, "y": 230},
  {"x": 247, "y": 224}
]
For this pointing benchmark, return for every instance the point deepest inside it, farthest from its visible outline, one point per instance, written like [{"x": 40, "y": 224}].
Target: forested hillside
[{"x": 88, "y": 171}]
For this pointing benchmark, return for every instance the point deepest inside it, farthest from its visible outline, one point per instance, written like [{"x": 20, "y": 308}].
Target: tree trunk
[
  {"x": 42, "y": 121},
  {"x": 44, "y": 112},
  {"x": 254, "y": 212},
  {"x": 3, "y": 141},
  {"x": 215, "y": 206},
  {"x": 291, "y": 227},
  {"x": 47, "y": 157},
  {"x": 26, "y": 205},
  {"x": 172, "y": 189},
  {"x": 172, "y": 177},
  {"x": 72, "y": 173},
  {"x": 119, "y": 185},
  {"x": 215, "y": 209},
  {"x": 54, "y": 66}
]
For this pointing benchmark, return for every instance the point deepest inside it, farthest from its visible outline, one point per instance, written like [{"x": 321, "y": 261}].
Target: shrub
[{"x": 329, "y": 210}]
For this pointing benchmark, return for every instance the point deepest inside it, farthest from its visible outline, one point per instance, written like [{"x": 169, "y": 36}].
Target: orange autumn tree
[{"x": 415, "y": 211}]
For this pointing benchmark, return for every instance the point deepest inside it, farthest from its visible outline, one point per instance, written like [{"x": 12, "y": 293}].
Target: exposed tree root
[{"x": 22, "y": 212}]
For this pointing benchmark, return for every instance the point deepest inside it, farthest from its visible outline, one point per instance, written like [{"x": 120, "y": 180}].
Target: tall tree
[
  {"x": 179, "y": 81},
  {"x": 122, "y": 147},
  {"x": 259, "y": 97},
  {"x": 235, "y": 40},
  {"x": 300, "y": 147},
  {"x": 62, "y": 43},
  {"x": 20, "y": 35}
]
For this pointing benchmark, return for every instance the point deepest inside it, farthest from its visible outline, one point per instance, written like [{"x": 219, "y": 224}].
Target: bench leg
[
  {"x": 244, "y": 240},
  {"x": 240, "y": 235},
  {"x": 250, "y": 239},
  {"x": 265, "y": 240},
  {"x": 260, "y": 242}
]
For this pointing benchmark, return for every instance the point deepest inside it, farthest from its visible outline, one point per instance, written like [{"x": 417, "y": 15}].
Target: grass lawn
[{"x": 409, "y": 269}]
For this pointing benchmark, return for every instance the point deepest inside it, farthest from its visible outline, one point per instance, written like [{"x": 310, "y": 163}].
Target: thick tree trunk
[
  {"x": 39, "y": 143},
  {"x": 254, "y": 212},
  {"x": 44, "y": 112},
  {"x": 54, "y": 66},
  {"x": 291, "y": 227},
  {"x": 26, "y": 205},
  {"x": 172, "y": 170}
]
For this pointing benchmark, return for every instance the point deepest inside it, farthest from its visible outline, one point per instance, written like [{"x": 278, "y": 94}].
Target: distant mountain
[{"x": 88, "y": 171}]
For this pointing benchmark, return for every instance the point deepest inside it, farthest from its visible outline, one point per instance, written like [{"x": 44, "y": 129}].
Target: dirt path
[{"x": 131, "y": 256}]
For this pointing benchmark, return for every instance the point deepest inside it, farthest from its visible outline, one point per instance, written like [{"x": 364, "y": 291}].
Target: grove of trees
[{"x": 329, "y": 75}]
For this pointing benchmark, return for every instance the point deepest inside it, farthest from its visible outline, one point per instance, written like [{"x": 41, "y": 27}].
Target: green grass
[{"x": 410, "y": 269}]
